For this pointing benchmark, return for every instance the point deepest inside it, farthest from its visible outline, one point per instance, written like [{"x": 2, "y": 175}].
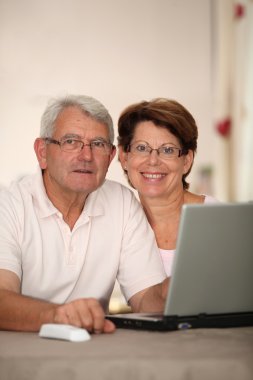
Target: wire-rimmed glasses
[
  {"x": 72, "y": 145},
  {"x": 166, "y": 151}
]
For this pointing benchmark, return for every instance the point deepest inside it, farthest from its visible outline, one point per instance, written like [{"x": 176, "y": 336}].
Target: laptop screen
[{"x": 213, "y": 267}]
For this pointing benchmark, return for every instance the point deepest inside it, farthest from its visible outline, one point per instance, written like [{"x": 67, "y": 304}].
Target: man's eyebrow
[
  {"x": 78, "y": 137},
  {"x": 99, "y": 138},
  {"x": 71, "y": 136}
]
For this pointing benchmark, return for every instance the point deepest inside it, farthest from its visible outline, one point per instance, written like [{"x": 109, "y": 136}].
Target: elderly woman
[{"x": 157, "y": 143}]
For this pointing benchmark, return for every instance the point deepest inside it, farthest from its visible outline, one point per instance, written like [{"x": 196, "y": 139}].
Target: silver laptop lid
[{"x": 213, "y": 267}]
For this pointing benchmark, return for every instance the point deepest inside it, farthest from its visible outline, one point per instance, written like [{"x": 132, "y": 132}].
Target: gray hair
[{"x": 90, "y": 106}]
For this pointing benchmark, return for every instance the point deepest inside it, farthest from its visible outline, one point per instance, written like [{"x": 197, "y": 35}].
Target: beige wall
[{"x": 117, "y": 51}]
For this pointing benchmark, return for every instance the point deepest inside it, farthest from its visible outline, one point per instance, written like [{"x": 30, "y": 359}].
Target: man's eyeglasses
[
  {"x": 165, "y": 151},
  {"x": 74, "y": 145}
]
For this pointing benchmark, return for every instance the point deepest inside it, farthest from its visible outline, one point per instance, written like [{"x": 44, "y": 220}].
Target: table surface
[{"x": 128, "y": 354}]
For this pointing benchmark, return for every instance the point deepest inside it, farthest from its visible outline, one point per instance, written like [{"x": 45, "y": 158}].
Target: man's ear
[
  {"x": 188, "y": 161},
  {"x": 123, "y": 158},
  {"x": 40, "y": 150},
  {"x": 112, "y": 154}
]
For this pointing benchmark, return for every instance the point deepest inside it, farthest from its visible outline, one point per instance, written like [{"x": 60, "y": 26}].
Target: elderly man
[{"x": 67, "y": 234}]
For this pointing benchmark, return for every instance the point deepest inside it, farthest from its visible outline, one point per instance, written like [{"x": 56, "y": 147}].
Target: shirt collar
[{"x": 93, "y": 204}]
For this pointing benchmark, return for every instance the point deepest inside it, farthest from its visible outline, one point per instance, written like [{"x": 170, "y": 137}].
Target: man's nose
[{"x": 86, "y": 152}]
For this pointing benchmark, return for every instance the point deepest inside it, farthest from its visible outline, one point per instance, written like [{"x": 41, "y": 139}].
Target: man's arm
[
  {"x": 151, "y": 299},
  {"x": 21, "y": 313}
]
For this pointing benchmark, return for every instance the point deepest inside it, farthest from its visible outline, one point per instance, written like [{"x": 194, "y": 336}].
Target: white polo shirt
[{"x": 111, "y": 239}]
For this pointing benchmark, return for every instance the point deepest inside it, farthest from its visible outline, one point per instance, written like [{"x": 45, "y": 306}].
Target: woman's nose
[{"x": 153, "y": 156}]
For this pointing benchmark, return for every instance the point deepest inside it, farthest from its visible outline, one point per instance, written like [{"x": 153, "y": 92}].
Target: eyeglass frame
[
  {"x": 181, "y": 152},
  {"x": 50, "y": 140}
]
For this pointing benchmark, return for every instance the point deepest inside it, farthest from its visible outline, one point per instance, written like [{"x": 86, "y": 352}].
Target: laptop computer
[{"x": 212, "y": 274}]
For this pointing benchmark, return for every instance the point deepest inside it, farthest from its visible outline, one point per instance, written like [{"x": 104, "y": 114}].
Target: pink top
[{"x": 167, "y": 255}]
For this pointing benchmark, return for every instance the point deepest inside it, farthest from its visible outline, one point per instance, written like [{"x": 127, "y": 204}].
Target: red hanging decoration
[
  {"x": 224, "y": 127},
  {"x": 239, "y": 10}
]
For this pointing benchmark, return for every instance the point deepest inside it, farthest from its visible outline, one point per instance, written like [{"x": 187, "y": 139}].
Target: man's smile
[{"x": 83, "y": 171}]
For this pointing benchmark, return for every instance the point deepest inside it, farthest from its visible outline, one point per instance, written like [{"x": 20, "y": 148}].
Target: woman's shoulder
[
  {"x": 199, "y": 198},
  {"x": 193, "y": 198},
  {"x": 210, "y": 199}
]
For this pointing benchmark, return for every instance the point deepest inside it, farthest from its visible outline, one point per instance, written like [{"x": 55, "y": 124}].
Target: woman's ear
[
  {"x": 40, "y": 150},
  {"x": 188, "y": 161},
  {"x": 123, "y": 158}
]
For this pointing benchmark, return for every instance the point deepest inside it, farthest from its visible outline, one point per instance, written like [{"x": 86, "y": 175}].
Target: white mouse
[{"x": 64, "y": 332}]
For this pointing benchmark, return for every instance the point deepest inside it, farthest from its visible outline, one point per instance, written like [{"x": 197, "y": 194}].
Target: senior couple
[{"x": 66, "y": 233}]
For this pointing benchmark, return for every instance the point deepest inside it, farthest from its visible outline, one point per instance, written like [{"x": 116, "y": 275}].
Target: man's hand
[
  {"x": 85, "y": 312},
  {"x": 22, "y": 313}
]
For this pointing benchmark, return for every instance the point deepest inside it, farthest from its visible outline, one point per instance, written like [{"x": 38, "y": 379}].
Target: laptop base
[{"x": 171, "y": 323}]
